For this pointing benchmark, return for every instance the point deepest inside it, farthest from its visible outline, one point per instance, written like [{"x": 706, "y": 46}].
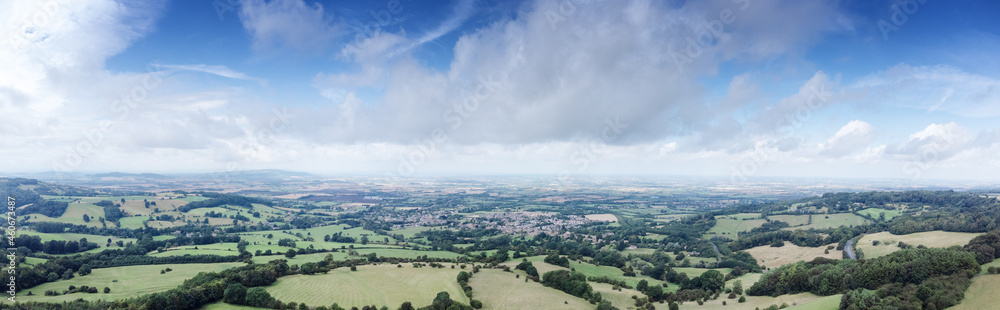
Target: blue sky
[{"x": 731, "y": 88}]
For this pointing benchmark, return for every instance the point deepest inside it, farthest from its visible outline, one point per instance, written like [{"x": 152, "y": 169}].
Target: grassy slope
[
  {"x": 131, "y": 281},
  {"x": 773, "y": 257},
  {"x": 383, "y": 285},
  {"x": 981, "y": 294},
  {"x": 502, "y": 290},
  {"x": 933, "y": 239}
]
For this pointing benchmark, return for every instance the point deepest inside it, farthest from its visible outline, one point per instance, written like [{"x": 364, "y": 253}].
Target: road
[
  {"x": 718, "y": 256},
  {"x": 847, "y": 248}
]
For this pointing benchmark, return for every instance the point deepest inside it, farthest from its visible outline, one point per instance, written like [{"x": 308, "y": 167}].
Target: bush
[{"x": 742, "y": 299}]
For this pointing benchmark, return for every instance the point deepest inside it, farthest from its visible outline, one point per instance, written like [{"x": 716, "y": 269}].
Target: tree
[
  {"x": 86, "y": 218},
  {"x": 290, "y": 253},
  {"x": 364, "y": 239},
  {"x": 742, "y": 299},
  {"x": 84, "y": 269},
  {"x": 738, "y": 287},
  {"x": 442, "y": 301},
  {"x": 478, "y": 304},
  {"x": 406, "y": 306},
  {"x": 642, "y": 286},
  {"x": 605, "y": 305},
  {"x": 235, "y": 294},
  {"x": 107, "y": 290},
  {"x": 258, "y": 297},
  {"x": 674, "y": 306}
]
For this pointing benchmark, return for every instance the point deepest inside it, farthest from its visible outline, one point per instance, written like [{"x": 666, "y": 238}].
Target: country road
[
  {"x": 847, "y": 248},
  {"x": 718, "y": 256}
]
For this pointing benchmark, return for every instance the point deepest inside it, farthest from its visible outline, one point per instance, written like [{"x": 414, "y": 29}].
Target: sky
[{"x": 739, "y": 89}]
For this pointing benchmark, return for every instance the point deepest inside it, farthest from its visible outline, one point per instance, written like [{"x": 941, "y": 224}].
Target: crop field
[
  {"x": 932, "y": 239},
  {"x": 821, "y": 221},
  {"x": 602, "y": 217},
  {"x": 876, "y": 212},
  {"x": 382, "y": 285},
  {"x": 981, "y": 294},
  {"x": 801, "y": 299},
  {"x": 125, "y": 282},
  {"x": 502, "y": 290},
  {"x": 792, "y": 220},
  {"x": 773, "y": 257}
]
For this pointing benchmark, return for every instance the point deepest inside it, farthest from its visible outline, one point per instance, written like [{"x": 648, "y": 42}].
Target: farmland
[
  {"x": 502, "y": 290},
  {"x": 382, "y": 285},
  {"x": 789, "y": 253},
  {"x": 888, "y": 242},
  {"x": 125, "y": 282}
]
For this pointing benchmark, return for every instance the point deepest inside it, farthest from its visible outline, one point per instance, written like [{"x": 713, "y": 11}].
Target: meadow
[
  {"x": 981, "y": 294},
  {"x": 731, "y": 225},
  {"x": 875, "y": 213},
  {"x": 932, "y": 239},
  {"x": 503, "y": 290},
  {"x": 774, "y": 257},
  {"x": 821, "y": 221},
  {"x": 382, "y": 285},
  {"x": 125, "y": 282},
  {"x": 792, "y": 220},
  {"x": 803, "y": 300}
]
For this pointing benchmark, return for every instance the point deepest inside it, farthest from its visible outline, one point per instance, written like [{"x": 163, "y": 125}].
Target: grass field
[
  {"x": 125, "y": 282},
  {"x": 984, "y": 267},
  {"x": 773, "y": 257},
  {"x": 801, "y": 299},
  {"x": 100, "y": 240},
  {"x": 224, "y": 306},
  {"x": 933, "y": 239},
  {"x": 502, "y": 290},
  {"x": 831, "y": 302},
  {"x": 694, "y": 272},
  {"x": 730, "y": 225},
  {"x": 748, "y": 280},
  {"x": 622, "y": 299},
  {"x": 981, "y": 294},
  {"x": 821, "y": 221},
  {"x": 876, "y": 212},
  {"x": 382, "y": 285},
  {"x": 792, "y": 220}
]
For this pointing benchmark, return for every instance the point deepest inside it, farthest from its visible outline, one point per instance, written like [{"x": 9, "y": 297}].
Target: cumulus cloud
[
  {"x": 287, "y": 24},
  {"x": 541, "y": 77},
  {"x": 850, "y": 138}
]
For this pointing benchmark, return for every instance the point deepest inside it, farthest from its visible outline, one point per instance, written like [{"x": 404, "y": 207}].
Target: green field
[
  {"x": 731, "y": 225},
  {"x": 932, "y": 239},
  {"x": 503, "y": 290},
  {"x": 382, "y": 285},
  {"x": 984, "y": 267},
  {"x": 834, "y": 220},
  {"x": 981, "y": 294},
  {"x": 622, "y": 299},
  {"x": 876, "y": 212},
  {"x": 224, "y": 306},
  {"x": 831, "y": 302},
  {"x": 694, "y": 272},
  {"x": 125, "y": 282},
  {"x": 100, "y": 240},
  {"x": 591, "y": 270},
  {"x": 792, "y": 220},
  {"x": 801, "y": 299}
]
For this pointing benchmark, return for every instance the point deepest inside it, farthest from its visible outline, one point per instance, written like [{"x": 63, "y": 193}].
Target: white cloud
[
  {"x": 287, "y": 24},
  {"x": 933, "y": 88},
  {"x": 218, "y": 70},
  {"x": 850, "y": 138}
]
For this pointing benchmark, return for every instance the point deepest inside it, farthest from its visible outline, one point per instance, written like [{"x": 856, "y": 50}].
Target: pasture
[
  {"x": 792, "y": 220},
  {"x": 820, "y": 221},
  {"x": 125, "y": 282},
  {"x": 875, "y": 213},
  {"x": 382, "y": 285},
  {"x": 731, "y": 225},
  {"x": 503, "y": 290},
  {"x": 981, "y": 294},
  {"x": 932, "y": 239},
  {"x": 773, "y": 257},
  {"x": 761, "y": 302}
]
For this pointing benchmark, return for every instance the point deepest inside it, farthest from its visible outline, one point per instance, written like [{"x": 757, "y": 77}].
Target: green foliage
[
  {"x": 235, "y": 294},
  {"x": 574, "y": 283}
]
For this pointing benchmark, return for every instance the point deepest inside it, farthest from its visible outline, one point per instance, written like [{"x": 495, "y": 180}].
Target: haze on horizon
[{"x": 733, "y": 88}]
